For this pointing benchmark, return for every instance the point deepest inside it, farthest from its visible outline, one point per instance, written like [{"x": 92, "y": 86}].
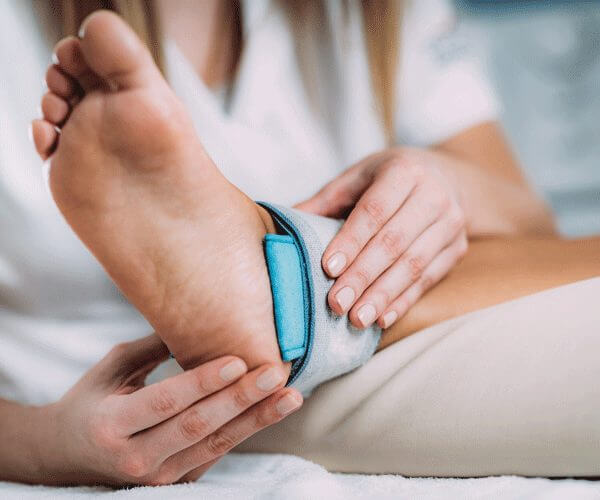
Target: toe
[
  {"x": 69, "y": 58},
  {"x": 114, "y": 52},
  {"x": 44, "y": 137},
  {"x": 59, "y": 83},
  {"x": 54, "y": 108}
]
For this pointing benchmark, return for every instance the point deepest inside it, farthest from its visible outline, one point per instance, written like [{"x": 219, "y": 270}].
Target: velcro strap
[{"x": 287, "y": 286}]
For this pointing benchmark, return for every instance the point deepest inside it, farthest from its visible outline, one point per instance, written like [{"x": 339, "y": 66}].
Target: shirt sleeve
[{"x": 442, "y": 88}]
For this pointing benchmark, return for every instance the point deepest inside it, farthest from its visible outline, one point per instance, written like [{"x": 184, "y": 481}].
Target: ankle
[{"x": 267, "y": 220}]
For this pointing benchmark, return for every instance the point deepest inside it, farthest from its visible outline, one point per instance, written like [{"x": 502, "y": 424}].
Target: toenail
[
  {"x": 269, "y": 379},
  {"x": 344, "y": 298},
  {"x": 366, "y": 314}
]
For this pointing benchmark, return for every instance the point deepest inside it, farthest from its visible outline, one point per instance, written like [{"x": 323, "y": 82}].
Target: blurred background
[
  {"x": 544, "y": 60},
  {"x": 543, "y": 57}
]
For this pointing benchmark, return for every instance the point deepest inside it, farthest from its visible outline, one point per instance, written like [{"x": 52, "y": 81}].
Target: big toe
[{"x": 114, "y": 52}]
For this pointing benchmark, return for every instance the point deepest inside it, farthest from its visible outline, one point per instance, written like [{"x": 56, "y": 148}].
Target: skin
[
  {"x": 410, "y": 211},
  {"x": 134, "y": 182},
  {"x": 203, "y": 32},
  {"x": 405, "y": 231},
  {"x": 409, "y": 214},
  {"x": 86, "y": 88},
  {"x": 495, "y": 195},
  {"x": 111, "y": 429},
  {"x": 498, "y": 270},
  {"x": 126, "y": 170}
]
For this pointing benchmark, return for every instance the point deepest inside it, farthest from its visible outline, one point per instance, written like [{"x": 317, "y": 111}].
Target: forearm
[
  {"x": 496, "y": 271},
  {"x": 494, "y": 205},
  {"x": 23, "y": 442},
  {"x": 496, "y": 196}
]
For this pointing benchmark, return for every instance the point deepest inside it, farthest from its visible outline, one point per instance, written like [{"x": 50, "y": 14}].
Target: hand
[
  {"x": 111, "y": 429},
  {"x": 405, "y": 231}
]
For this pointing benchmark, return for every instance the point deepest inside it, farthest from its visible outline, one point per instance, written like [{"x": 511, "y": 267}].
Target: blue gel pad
[{"x": 287, "y": 286}]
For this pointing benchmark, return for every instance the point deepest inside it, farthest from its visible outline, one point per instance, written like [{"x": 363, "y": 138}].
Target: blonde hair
[{"x": 381, "y": 20}]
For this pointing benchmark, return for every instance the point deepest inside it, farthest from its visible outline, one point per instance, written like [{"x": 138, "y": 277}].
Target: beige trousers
[{"x": 511, "y": 389}]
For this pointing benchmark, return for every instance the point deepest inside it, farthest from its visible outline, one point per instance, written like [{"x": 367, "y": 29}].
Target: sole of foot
[{"x": 132, "y": 179}]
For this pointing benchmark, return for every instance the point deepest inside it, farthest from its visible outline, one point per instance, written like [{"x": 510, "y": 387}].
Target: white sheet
[{"x": 284, "y": 476}]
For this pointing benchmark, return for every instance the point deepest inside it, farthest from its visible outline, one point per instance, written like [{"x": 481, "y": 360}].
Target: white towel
[{"x": 254, "y": 476}]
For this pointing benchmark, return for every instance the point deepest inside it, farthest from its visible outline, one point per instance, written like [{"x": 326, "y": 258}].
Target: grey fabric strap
[{"x": 334, "y": 347}]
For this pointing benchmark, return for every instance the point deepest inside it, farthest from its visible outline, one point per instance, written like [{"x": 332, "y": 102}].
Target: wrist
[
  {"x": 24, "y": 433},
  {"x": 46, "y": 450}
]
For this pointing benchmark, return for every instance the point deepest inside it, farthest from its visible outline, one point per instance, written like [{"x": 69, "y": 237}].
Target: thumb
[
  {"x": 336, "y": 198},
  {"x": 313, "y": 205},
  {"x": 127, "y": 358}
]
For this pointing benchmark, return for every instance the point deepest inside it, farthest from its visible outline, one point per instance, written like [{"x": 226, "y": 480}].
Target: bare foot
[{"x": 132, "y": 179}]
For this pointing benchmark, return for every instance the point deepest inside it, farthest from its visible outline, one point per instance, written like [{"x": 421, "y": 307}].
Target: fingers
[
  {"x": 194, "y": 474},
  {"x": 408, "y": 269},
  {"x": 192, "y": 462},
  {"x": 337, "y": 197},
  {"x": 439, "y": 267},
  {"x": 158, "y": 402},
  {"x": 386, "y": 246},
  {"x": 209, "y": 414},
  {"x": 376, "y": 206}
]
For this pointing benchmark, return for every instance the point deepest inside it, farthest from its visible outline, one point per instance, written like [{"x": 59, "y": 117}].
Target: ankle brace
[{"x": 320, "y": 344}]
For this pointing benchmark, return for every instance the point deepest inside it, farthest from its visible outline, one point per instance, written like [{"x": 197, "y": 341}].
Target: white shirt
[{"x": 59, "y": 313}]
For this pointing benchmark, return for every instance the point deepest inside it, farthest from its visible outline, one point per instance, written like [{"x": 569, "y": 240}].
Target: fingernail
[
  {"x": 336, "y": 263},
  {"x": 345, "y": 297},
  {"x": 54, "y": 58},
  {"x": 366, "y": 314},
  {"x": 389, "y": 318},
  {"x": 269, "y": 379},
  {"x": 232, "y": 370},
  {"x": 287, "y": 404}
]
